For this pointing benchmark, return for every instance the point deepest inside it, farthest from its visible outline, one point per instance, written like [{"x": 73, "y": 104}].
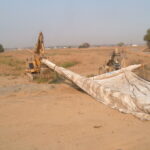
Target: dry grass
[
  {"x": 11, "y": 66},
  {"x": 50, "y": 77},
  {"x": 10, "y": 61},
  {"x": 144, "y": 71},
  {"x": 69, "y": 64},
  {"x": 89, "y": 60}
]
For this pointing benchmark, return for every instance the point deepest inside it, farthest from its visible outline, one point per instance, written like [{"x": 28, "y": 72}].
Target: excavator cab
[{"x": 33, "y": 65}]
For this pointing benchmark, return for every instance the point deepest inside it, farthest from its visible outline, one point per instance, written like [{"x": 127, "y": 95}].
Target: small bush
[
  {"x": 69, "y": 64},
  {"x": 1, "y": 48},
  {"x": 90, "y": 75},
  {"x": 41, "y": 80},
  {"x": 55, "y": 79},
  {"x": 147, "y": 38},
  {"x": 47, "y": 77},
  {"x": 120, "y": 44},
  {"x": 84, "y": 45}
]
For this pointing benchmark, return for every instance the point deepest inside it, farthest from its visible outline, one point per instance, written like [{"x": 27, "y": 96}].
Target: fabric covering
[{"x": 122, "y": 89}]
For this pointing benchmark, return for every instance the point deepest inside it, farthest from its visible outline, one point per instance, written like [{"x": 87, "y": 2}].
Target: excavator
[
  {"x": 115, "y": 62},
  {"x": 33, "y": 64}
]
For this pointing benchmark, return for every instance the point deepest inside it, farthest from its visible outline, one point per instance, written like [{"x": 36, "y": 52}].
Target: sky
[{"x": 72, "y": 22}]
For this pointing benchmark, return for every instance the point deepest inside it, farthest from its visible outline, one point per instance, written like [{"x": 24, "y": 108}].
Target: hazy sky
[{"x": 71, "y": 22}]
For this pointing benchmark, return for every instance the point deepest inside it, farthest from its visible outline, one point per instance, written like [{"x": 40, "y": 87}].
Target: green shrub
[
  {"x": 55, "y": 78},
  {"x": 90, "y": 75},
  {"x": 84, "y": 45},
  {"x": 147, "y": 38},
  {"x": 69, "y": 64},
  {"x": 120, "y": 44},
  {"x": 49, "y": 77},
  {"x": 41, "y": 80},
  {"x": 1, "y": 48}
]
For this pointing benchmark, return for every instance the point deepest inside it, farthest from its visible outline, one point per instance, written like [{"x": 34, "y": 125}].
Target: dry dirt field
[{"x": 46, "y": 116}]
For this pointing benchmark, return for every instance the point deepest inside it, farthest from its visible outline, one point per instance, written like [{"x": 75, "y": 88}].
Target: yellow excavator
[
  {"x": 115, "y": 62},
  {"x": 33, "y": 65}
]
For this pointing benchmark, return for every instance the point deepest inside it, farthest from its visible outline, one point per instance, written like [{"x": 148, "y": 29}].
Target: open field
[{"x": 58, "y": 116}]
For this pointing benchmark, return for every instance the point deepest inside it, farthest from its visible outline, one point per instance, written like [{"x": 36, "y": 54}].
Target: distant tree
[
  {"x": 1, "y": 48},
  {"x": 84, "y": 45},
  {"x": 147, "y": 38},
  {"x": 120, "y": 44}
]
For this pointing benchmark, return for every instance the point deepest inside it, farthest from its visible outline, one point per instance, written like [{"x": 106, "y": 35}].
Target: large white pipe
[{"x": 115, "y": 99}]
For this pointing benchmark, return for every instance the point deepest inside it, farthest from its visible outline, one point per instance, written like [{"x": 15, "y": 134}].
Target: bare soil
[{"x": 58, "y": 116}]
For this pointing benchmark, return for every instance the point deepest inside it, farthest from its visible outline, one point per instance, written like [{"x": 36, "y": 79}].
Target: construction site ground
[{"x": 42, "y": 116}]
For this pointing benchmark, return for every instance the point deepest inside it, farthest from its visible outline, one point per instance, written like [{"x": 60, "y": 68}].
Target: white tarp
[{"x": 122, "y": 90}]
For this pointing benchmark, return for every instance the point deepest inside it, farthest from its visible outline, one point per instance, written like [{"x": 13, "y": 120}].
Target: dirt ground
[{"x": 58, "y": 116}]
